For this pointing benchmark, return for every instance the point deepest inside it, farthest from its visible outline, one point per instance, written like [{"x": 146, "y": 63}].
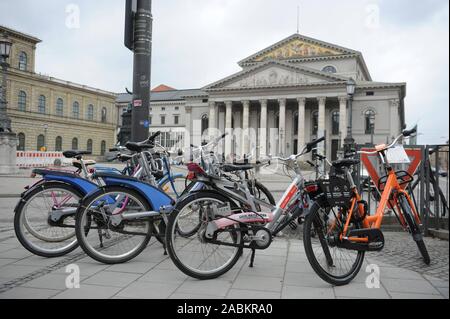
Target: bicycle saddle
[
  {"x": 345, "y": 163},
  {"x": 139, "y": 147},
  {"x": 228, "y": 168},
  {"x": 124, "y": 158},
  {"x": 75, "y": 154}
]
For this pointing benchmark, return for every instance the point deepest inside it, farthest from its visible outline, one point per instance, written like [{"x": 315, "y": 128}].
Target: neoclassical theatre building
[{"x": 288, "y": 93}]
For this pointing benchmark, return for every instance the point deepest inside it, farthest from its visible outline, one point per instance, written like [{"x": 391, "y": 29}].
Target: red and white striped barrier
[{"x": 41, "y": 159}]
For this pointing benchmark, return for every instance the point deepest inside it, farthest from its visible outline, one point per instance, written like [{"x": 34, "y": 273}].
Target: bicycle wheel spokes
[
  {"x": 35, "y": 224},
  {"x": 335, "y": 261},
  {"x": 191, "y": 247},
  {"x": 105, "y": 234}
]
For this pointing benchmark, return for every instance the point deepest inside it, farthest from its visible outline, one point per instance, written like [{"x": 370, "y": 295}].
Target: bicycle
[
  {"x": 339, "y": 230},
  {"x": 226, "y": 220},
  {"x": 44, "y": 216}
]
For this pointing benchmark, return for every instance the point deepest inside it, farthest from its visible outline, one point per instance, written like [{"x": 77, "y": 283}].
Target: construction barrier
[{"x": 41, "y": 159}]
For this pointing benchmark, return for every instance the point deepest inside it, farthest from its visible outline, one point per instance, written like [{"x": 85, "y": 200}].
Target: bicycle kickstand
[{"x": 252, "y": 258}]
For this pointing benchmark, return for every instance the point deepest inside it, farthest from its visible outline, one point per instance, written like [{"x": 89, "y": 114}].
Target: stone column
[
  {"x": 228, "y": 128},
  {"x": 212, "y": 116},
  {"x": 263, "y": 130},
  {"x": 188, "y": 133},
  {"x": 322, "y": 123},
  {"x": 343, "y": 119},
  {"x": 245, "y": 127},
  {"x": 301, "y": 123},
  {"x": 282, "y": 131}
]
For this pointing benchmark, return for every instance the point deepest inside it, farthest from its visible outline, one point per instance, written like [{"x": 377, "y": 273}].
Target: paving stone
[
  {"x": 303, "y": 267},
  {"x": 398, "y": 273},
  {"x": 140, "y": 267},
  {"x": 359, "y": 290},
  {"x": 86, "y": 269},
  {"x": 304, "y": 280},
  {"x": 164, "y": 276},
  {"x": 261, "y": 271},
  {"x": 6, "y": 247},
  {"x": 4, "y": 262},
  {"x": 88, "y": 292},
  {"x": 409, "y": 286},
  {"x": 444, "y": 292},
  {"x": 49, "y": 281},
  {"x": 38, "y": 261},
  {"x": 262, "y": 283},
  {"x": 112, "y": 279},
  {"x": 296, "y": 292},
  {"x": 403, "y": 295},
  {"x": 252, "y": 294},
  {"x": 148, "y": 290},
  {"x": 16, "y": 271},
  {"x": 17, "y": 253},
  {"x": 217, "y": 287},
  {"x": 28, "y": 293}
]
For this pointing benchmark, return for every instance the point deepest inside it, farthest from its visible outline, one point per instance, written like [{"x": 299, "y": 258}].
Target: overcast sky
[{"x": 197, "y": 42}]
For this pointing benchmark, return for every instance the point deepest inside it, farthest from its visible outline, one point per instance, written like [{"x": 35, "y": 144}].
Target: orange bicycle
[{"x": 338, "y": 230}]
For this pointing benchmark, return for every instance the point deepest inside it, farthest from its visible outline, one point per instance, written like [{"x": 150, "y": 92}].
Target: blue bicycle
[{"x": 45, "y": 215}]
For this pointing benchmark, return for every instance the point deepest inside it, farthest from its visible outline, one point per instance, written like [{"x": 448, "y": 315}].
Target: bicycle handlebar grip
[
  {"x": 311, "y": 145},
  {"x": 407, "y": 133},
  {"x": 154, "y": 136}
]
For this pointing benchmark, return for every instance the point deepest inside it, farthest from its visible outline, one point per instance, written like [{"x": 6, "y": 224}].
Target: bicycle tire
[
  {"x": 414, "y": 228},
  {"x": 172, "y": 224},
  {"x": 308, "y": 234},
  {"x": 79, "y": 227},
  {"x": 18, "y": 216}
]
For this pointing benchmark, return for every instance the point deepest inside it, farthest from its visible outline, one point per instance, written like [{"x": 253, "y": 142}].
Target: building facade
[
  {"x": 285, "y": 96},
  {"x": 53, "y": 114}
]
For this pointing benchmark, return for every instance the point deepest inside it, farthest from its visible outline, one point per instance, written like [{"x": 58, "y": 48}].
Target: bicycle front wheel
[
  {"x": 335, "y": 265},
  {"x": 191, "y": 251},
  {"x": 103, "y": 232},
  {"x": 414, "y": 227}
]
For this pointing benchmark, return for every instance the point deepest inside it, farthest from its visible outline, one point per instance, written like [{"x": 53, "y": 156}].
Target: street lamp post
[
  {"x": 5, "y": 51},
  {"x": 8, "y": 140},
  {"x": 349, "y": 142}
]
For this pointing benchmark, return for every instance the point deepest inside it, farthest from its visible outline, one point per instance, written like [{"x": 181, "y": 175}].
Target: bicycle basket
[
  {"x": 337, "y": 191},
  {"x": 403, "y": 178}
]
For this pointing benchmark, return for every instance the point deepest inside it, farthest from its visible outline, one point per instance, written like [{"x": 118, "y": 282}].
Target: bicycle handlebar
[{"x": 404, "y": 134}]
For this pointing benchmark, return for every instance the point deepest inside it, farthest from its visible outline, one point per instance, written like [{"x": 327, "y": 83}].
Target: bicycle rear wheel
[
  {"x": 191, "y": 251},
  {"x": 414, "y": 227},
  {"x": 337, "y": 266}
]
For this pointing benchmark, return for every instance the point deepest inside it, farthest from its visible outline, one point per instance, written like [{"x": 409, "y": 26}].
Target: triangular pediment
[
  {"x": 275, "y": 73},
  {"x": 297, "y": 47}
]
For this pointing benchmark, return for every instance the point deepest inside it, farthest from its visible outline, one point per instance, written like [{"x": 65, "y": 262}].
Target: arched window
[
  {"x": 296, "y": 123},
  {"x": 23, "y": 61},
  {"x": 58, "y": 144},
  {"x": 76, "y": 110},
  {"x": 103, "y": 148},
  {"x": 329, "y": 69},
  {"x": 90, "y": 112},
  {"x": 89, "y": 146},
  {"x": 75, "y": 144},
  {"x": 205, "y": 123},
  {"x": 22, "y": 101},
  {"x": 40, "y": 142},
  {"x": 104, "y": 115},
  {"x": 42, "y": 104},
  {"x": 369, "y": 120},
  {"x": 335, "y": 123},
  {"x": 315, "y": 123},
  {"x": 59, "y": 107},
  {"x": 21, "y": 145}
]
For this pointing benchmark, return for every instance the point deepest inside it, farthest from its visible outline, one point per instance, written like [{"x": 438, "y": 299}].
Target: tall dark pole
[{"x": 142, "y": 70}]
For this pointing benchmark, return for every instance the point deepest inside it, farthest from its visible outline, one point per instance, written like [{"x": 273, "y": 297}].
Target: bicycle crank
[{"x": 375, "y": 240}]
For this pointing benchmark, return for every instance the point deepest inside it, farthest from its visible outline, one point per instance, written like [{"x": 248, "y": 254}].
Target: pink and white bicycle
[{"x": 220, "y": 222}]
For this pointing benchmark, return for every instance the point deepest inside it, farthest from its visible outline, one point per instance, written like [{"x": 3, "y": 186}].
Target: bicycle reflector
[{"x": 312, "y": 188}]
